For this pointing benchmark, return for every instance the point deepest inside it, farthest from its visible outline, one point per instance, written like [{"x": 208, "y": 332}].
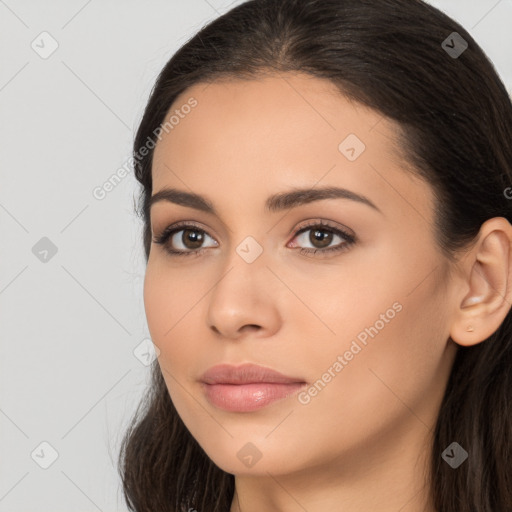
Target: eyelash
[{"x": 175, "y": 228}]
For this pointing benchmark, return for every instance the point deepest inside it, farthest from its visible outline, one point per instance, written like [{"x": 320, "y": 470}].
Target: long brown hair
[{"x": 396, "y": 57}]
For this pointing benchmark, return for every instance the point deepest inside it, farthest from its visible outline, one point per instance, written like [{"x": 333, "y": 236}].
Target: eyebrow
[{"x": 274, "y": 203}]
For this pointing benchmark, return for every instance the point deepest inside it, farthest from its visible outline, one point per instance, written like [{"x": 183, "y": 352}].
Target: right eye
[{"x": 191, "y": 235}]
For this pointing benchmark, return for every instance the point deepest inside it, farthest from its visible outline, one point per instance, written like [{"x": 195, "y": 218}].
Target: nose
[{"x": 241, "y": 302}]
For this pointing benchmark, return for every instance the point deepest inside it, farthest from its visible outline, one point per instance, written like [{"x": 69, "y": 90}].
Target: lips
[
  {"x": 247, "y": 387},
  {"x": 246, "y": 374}
]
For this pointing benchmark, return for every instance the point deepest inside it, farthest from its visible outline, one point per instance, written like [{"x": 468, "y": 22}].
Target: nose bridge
[
  {"x": 249, "y": 238},
  {"x": 245, "y": 264},
  {"x": 241, "y": 295}
]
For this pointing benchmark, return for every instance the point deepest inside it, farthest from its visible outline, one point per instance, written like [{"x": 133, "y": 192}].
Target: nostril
[{"x": 251, "y": 327}]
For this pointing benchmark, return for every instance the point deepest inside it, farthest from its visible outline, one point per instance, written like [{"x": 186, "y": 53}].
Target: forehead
[{"x": 273, "y": 132}]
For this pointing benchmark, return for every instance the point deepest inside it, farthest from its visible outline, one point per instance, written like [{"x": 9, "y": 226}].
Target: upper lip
[{"x": 245, "y": 374}]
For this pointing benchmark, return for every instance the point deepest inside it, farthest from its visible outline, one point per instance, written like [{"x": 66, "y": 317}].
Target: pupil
[
  {"x": 195, "y": 237},
  {"x": 318, "y": 235}
]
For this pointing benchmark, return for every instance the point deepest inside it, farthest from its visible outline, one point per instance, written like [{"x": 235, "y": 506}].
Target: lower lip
[{"x": 248, "y": 397}]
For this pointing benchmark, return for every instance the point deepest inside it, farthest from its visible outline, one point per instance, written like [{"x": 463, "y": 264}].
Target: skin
[{"x": 363, "y": 442}]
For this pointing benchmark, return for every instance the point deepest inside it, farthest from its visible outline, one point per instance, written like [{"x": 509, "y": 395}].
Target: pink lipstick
[{"x": 247, "y": 387}]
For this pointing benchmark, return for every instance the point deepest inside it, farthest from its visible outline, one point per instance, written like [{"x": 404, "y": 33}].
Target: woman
[{"x": 328, "y": 283}]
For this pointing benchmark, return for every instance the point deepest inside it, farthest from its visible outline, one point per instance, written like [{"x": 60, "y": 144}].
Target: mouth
[
  {"x": 247, "y": 387},
  {"x": 248, "y": 397}
]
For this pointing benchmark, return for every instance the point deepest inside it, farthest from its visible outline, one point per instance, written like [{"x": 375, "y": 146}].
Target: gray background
[{"x": 73, "y": 323}]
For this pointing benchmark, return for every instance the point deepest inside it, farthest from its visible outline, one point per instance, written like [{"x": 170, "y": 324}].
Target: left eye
[{"x": 320, "y": 237}]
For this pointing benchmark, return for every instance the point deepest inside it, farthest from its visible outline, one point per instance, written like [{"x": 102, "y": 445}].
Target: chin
[{"x": 250, "y": 454}]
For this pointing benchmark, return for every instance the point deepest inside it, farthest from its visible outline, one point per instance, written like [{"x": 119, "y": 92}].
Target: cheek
[
  {"x": 165, "y": 299},
  {"x": 171, "y": 301},
  {"x": 155, "y": 304},
  {"x": 392, "y": 346}
]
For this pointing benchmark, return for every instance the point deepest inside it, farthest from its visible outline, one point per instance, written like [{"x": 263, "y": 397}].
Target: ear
[{"x": 487, "y": 272}]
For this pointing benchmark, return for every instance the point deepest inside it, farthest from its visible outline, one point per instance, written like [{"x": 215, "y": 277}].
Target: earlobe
[{"x": 489, "y": 278}]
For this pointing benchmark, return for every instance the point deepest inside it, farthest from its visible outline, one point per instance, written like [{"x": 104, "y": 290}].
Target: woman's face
[{"x": 364, "y": 329}]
